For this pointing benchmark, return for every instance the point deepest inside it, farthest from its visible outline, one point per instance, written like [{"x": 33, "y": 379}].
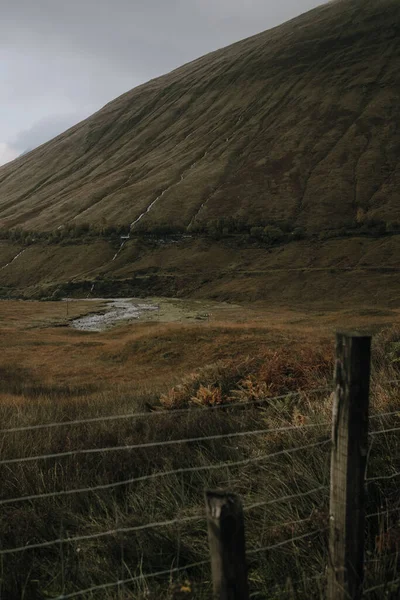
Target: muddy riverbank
[
  {"x": 110, "y": 312},
  {"x": 115, "y": 311}
]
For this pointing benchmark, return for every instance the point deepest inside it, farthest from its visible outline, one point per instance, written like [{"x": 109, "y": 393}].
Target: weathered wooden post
[
  {"x": 348, "y": 463},
  {"x": 227, "y": 546}
]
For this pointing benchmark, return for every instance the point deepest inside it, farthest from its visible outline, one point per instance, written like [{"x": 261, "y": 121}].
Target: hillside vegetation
[
  {"x": 267, "y": 170},
  {"x": 295, "y": 125},
  {"x": 345, "y": 272}
]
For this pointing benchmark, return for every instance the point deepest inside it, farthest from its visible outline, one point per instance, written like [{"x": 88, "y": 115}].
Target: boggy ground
[
  {"x": 242, "y": 355},
  {"x": 163, "y": 345}
]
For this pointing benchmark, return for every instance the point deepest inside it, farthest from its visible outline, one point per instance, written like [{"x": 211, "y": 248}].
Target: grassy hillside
[
  {"x": 346, "y": 272},
  {"x": 297, "y": 126}
]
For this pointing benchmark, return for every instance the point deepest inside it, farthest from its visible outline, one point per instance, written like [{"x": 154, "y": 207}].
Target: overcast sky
[{"x": 61, "y": 60}]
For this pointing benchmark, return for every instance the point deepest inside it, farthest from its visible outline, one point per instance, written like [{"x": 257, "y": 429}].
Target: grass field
[
  {"x": 266, "y": 174},
  {"x": 51, "y": 373}
]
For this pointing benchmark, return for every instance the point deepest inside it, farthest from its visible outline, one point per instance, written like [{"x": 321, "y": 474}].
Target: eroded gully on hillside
[{"x": 13, "y": 259}]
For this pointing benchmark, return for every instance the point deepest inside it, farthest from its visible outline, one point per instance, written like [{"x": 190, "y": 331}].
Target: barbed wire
[
  {"x": 105, "y": 586},
  {"x": 235, "y": 434},
  {"x": 142, "y": 478},
  {"x": 382, "y": 585},
  {"x": 155, "y": 413},
  {"x": 288, "y": 541}
]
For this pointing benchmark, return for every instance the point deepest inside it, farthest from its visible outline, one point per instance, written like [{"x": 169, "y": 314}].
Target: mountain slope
[{"x": 296, "y": 125}]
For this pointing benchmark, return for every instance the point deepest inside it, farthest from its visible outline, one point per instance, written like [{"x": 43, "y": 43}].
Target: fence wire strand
[
  {"x": 288, "y": 541},
  {"x": 162, "y": 443},
  {"x": 386, "y": 414},
  {"x": 382, "y": 586},
  {"x": 107, "y": 486},
  {"x": 178, "y": 411},
  {"x": 105, "y": 586},
  {"x": 263, "y": 503},
  {"x": 175, "y": 570},
  {"x": 156, "y": 413},
  {"x": 288, "y": 523},
  {"x": 385, "y": 556},
  {"x": 383, "y": 512},
  {"x": 125, "y": 530},
  {"x": 383, "y": 477},
  {"x": 212, "y": 467},
  {"x": 94, "y": 536},
  {"x": 379, "y": 431}
]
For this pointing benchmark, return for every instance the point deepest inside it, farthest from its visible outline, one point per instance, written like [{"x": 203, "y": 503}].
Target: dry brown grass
[
  {"x": 150, "y": 357},
  {"x": 56, "y": 374}
]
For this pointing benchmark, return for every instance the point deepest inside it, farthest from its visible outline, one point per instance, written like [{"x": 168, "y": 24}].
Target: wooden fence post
[
  {"x": 349, "y": 455},
  {"x": 227, "y": 546}
]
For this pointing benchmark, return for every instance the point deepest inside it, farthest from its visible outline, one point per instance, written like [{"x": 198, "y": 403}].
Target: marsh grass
[{"x": 295, "y": 570}]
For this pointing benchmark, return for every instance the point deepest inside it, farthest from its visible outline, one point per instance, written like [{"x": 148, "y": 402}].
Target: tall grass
[{"x": 294, "y": 570}]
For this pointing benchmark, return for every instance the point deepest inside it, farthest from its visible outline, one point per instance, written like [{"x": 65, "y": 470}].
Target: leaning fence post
[
  {"x": 227, "y": 546},
  {"x": 348, "y": 462}
]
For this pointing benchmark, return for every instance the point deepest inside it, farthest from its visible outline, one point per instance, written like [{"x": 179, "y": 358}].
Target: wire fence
[
  {"x": 383, "y": 586},
  {"x": 106, "y": 449},
  {"x": 168, "y": 473},
  {"x": 154, "y": 525},
  {"x": 163, "y": 413},
  {"x": 252, "y": 503},
  {"x": 113, "y": 584},
  {"x": 288, "y": 541}
]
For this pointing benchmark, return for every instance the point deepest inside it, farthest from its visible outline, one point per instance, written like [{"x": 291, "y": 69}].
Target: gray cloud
[
  {"x": 7, "y": 153},
  {"x": 146, "y": 37},
  {"x": 62, "y": 59}
]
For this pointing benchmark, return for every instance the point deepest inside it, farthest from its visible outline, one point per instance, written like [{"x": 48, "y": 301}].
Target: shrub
[
  {"x": 269, "y": 374},
  {"x": 273, "y": 234},
  {"x": 298, "y": 233},
  {"x": 393, "y": 226},
  {"x": 375, "y": 226},
  {"x": 257, "y": 233}
]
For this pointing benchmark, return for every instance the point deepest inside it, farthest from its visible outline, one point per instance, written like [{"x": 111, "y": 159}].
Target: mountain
[
  {"x": 294, "y": 129},
  {"x": 299, "y": 123}
]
